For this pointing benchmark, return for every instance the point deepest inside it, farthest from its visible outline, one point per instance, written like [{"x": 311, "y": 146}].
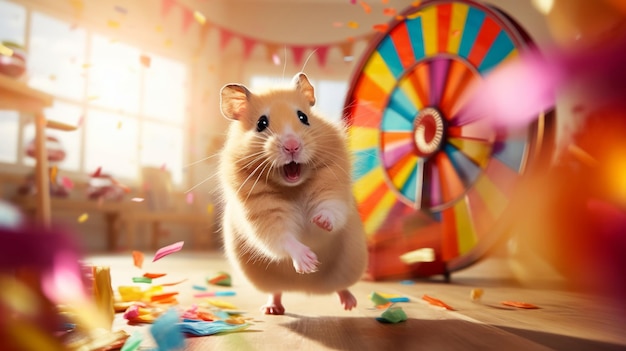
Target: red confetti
[
  {"x": 145, "y": 60},
  {"x": 153, "y": 275},
  {"x": 138, "y": 259},
  {"x": 437, "y": 302},
  {"x": 389, "y": 11},
  {"x": 519, "y": 304},
  {"x": 365, "y": 7},
  {"x": 381, "y": 27}
]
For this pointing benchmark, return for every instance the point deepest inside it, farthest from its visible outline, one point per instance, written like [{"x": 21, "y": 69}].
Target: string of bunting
[{"x": 272, "y": 49}]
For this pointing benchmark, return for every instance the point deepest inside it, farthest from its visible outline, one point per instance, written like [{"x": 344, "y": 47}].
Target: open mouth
[{"x": 292, "y": 171}]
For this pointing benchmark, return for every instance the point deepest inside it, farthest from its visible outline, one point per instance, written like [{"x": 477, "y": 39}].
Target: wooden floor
[{"x": 565, "y": 321}]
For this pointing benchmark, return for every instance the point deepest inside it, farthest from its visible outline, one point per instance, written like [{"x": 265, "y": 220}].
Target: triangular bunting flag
[
  {"x": 272, "y": 53},
  {"x": 346, "y": 48},
  {"x": 298, "y": 53},
  {"x": 225, "y": 37},
  {"x": 321, "y": 52},
  {"x": 248, "y": 46},
  {"x": 187, "y": 18},
  {"x": 166, "y": 7}
]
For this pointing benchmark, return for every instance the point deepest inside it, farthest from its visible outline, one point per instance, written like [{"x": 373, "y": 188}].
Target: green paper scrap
[
  {"x": 221, "y": 279},
  {"x": 203, "y": 328},
  {"x": 377, "y": 299},
  {"x": 132, "y": 343},
  {"x": 393, "y": 315},
  {"x": 142, "y": 280}
]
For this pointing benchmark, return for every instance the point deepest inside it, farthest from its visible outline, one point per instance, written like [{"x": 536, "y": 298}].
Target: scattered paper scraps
[
  {"x": 145, "y": 60},
  {"x": 221, "y": 304},
  {"x": 133, "y": 342},
  {"x": 407, "y": 282},
  {"x": 389, "y": 11},
  {"x": 199, "y": 287},
  {"x": 167, "y": 333},
  {"x": 54, "y": 171},
  {"x": 214, "y": 293},
  {"x": 211, "y": 328},
  {"x": 113, "y": 24},
  {"x": 67, "y": 183},
  {"x": 154, "y": 275},
  {"x": 143, "y": 280},
  {"x": 378, "y": 300},
  {"x": 476, "y": 294},
  {"x": 352, "y": 24},
  {"x": 393, "y": 315},
  {"x": 518, "y": 304},
  {"x": 381, "y": 27},
  {"x": 426, "y": 254},
  {"x": 83, "y": 218},
  {"x": 199, "y": 17},
  {"x": 436, "y": 302},
  {"x": 138, "y": 258},
  {"x": 366, "y": 7},
  {"x": 168, "y": 250},
  {"x": 163, "y": 297},
  {"x": 221, "y": 279}
]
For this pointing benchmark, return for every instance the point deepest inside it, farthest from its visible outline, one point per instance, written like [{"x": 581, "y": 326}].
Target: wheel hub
[{"x": 428, "y": 131}]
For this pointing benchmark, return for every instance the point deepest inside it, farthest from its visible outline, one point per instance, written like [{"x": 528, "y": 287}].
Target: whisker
[
  {"x": 202, "y": 182},
  {"x": 256, "y": 181},
  {"x": 201, "y": 160}
]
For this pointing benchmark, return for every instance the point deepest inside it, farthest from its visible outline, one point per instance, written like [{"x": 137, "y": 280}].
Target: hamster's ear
[
  {"x": 234, "y": 101},
  {"x": 305, "y": 87}
]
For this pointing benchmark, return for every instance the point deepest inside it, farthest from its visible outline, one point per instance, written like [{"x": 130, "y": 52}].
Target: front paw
[
  {"x": 306, "y": 261},
  {"x": 324, "y": 219}
]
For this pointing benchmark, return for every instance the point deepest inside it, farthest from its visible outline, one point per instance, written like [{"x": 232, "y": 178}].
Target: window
[
  {"x": 329, "y": 94},
  {"x": 130, "y": 103}
]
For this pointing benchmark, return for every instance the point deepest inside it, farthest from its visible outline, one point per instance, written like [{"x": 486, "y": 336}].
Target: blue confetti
[
  {"x": 167, "y": 332},
  {"x": 407, "y": 282},
  {"x": 202, "y": 328}
]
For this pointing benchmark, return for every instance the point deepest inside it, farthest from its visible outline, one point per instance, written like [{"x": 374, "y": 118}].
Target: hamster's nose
[{"x": 291, "y": 146}]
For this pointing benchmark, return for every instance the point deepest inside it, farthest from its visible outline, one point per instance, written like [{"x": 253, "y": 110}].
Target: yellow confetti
[
  {"x": 119, "y": 124},
  {"x": 113, "y": 24},
  {"x": 86, "y": 65},
  {"x": 476, "y": 294},
  {"x": 158, "y": 28},
  {"x": 209, "y": 208},
  {"x": 221, "y": 304},
  {"x": 199, "y": 17},
  {"x": 353, "y": 25},
  {"x": 5, "y": 51},
  {"x": 168, "y": 42},
  {"x": 54, "y": 170},
  {"x": 52, "y": 77},
  {"x": 83, "y": 218}
]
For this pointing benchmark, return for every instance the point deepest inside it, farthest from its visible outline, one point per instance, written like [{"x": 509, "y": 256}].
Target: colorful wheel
[{"x": 426, "y": 175}]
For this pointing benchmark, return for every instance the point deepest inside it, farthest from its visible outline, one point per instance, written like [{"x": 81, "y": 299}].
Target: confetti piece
[
  {"x": 420, "y": 255},
  {"x": 158, "y": 28},
  {"x": 337, "y": 24},
  {"x": 382, "y": 27},
  {"x": 67, "y": 183},
  {"x": 210, "y": 328},
  {"x": 120, "y": 9},
  {"x": 214, "y": 293},
  {"x": 378, "y": 300},
  {"x": 189, "y": 198},
  {"x": 137, "y": 199},
  {"x": 52, "y": 77},
  {"x": 222, "y": 279},
  {"x": 518, "y": 304},
  {"x": 168, "y": 42},
  {"x": 389, "y": 11},
  {"x": 153, "y": 275},
  {"x": 199, "y": 287},
  {"x": 437, "y": 302},
  {"x": 199, "y": 17},
  {"x": 407, "y": 282},
  {"x": 119, "y": 124},
  {"x": 276, "y": 59},
  {"x": 133, "y": 342},
  {"x": 83, "y": 218},
  {"x": 163, "y": 167},
  {"x": 476, "y": 294},
  {"x": 393, "y": 315},
  {"x": 162, "y": 297},
  {"x": 167, "y": 250},
  {"x": 5, "y": 51},
  {"x": 113, "y": 24},
  {"x": 167, "y": 333},
  {"x": 366, "y": 7},
  {"x": 209, "y": 208},
  {"x": 221, "y": 304},
  {"x": 54, "y": 170},
  {"x": 142, "y": 280},
  {"x": 174, "y": 283},
  {"x": 145, "y": 60},
  {"x": 353, "y": 25},
  {"x": 138, "y": 259}
]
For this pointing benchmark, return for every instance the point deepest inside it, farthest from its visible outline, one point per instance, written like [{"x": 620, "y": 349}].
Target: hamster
[{"x": 290, "y": 221}]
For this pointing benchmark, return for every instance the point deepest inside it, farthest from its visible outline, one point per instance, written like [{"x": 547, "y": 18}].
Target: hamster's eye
[
  {"x": 303, "y": 118},
  {"x": 262, "y": 123}
]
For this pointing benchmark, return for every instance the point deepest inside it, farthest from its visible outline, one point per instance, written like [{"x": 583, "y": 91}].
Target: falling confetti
[
  {"x": 158, "y": 28},
  {"x": 120, "y": 9},
  {"x": 145, "y": 60},
  {"x": 337, "y": 24},
  {"x": 209, "y": 208},
  {"x": 167, "y": 250},
  {"x": 189, "y": 198},
  {"x": 168, "y": 42},
  {"x": 83, "y": 218},
  {"x": 113, "y": 24},
  {"x": 86, "y": 65},
  {"x": 119, "y": 124},
  {"x": 52, "y": 77},
  {"x": 366, "y": 7},
  {"x": 389, "y": 11},
  {"x": 353, "y": 25},
  {"x": 276, "y": 59},
  {"x": 381, "y": 27},
  {"x": 137, "y": 199},
  {"x": 67, "y": 183},
  {"x": 54, "y": 170},
  {"x": 138, "y": 259},
  {"x": 199, "y": 17}
]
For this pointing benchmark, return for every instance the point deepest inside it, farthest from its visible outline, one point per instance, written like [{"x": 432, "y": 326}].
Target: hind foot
[
  {"x": 347, "y": 299},
  {"x": 274, "y": 305}
]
